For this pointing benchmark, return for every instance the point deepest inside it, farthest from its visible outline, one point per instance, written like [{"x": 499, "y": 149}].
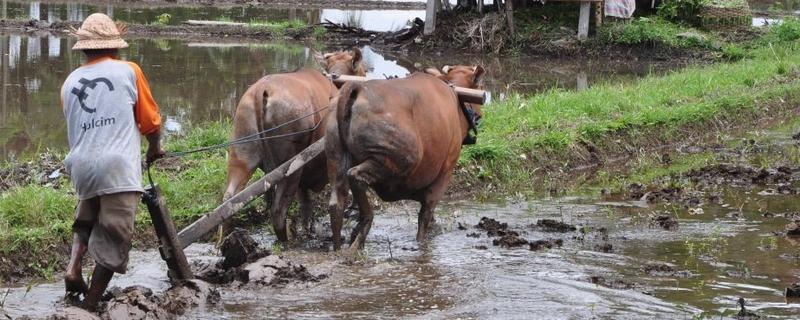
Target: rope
[
  {"x": 253, "y": 137},
  {"x": 246, "y": 139}
]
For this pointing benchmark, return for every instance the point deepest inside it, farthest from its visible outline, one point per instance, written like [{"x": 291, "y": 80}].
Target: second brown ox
[
  {"x": 400, "y": 137},
  {"x": 291, "y": 108}
]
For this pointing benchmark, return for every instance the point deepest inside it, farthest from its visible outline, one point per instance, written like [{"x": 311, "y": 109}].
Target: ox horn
[
  {"x": 327, "y": 55},
  {"x": 446, "y": 69}
]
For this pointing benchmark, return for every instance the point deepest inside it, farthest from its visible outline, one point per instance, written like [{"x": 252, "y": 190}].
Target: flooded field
[
  {"x": 604, "y": 269},
  {"x": 199, "y": 81},
  {"x": 625, "y": 258}
]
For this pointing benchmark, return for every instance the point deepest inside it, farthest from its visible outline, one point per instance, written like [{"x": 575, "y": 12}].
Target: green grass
[
  {"x": 654, "y": 31},
  {"x": 555, "y": 123},
  {"x": 278, "y": 27},
  {"x": 33, "y": 215}
]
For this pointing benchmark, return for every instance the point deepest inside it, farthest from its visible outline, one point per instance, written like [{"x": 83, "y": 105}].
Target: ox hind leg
[
  {"x": 365, "y": 216},
  {"x": 306, "y": 211},
  {"x": 284, "y": 194},
  {"x": 430, "y": 198},
  {"x": 360, "y": 177},
  {"x": 336, "y": 209}
]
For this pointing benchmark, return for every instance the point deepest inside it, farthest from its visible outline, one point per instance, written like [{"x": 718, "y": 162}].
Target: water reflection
[{"x": 376, "y": 20}]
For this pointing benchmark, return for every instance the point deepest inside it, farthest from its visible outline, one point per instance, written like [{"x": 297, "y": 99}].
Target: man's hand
[
  {"x": 153, "y": 154},
  {"x": 154, "y": 151}
]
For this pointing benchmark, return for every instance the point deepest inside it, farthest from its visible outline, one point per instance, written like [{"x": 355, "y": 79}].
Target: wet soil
[
  {"x": 665, "y": 221},
  {"x": 550, "y": 225},
  {"x": 45, "y": 170}
]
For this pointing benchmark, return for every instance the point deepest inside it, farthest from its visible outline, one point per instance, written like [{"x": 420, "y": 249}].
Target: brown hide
[
  {"x": 275, "y": 100},
  {"x": 272, "y": 101},
  {"x": 400, "y": 137}
]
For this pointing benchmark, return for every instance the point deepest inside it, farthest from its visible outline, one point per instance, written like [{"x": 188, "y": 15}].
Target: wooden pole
[
  {"x": 430, "y": 17},
  {"x": 224, "y": 211},
  {"x": 598, "y": 14},
  {"x": 480, "y": 7},
  {"x": 465, "y": 94},
  {"x": 583, "y": 21},
  {"x": 510, "y": 16},
  {"x": 169, "y": 245}
]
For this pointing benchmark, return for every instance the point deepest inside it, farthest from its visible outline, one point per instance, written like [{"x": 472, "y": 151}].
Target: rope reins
[{"x": 258, "y": 136}]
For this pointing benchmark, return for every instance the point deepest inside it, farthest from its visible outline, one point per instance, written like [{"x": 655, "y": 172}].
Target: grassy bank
[
  {"x": 521, "y": 138},
  {"x": 521, "y": 134}
]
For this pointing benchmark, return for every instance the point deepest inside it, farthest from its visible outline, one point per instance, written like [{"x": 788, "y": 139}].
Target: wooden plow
[{"x": 172, "y": 243}]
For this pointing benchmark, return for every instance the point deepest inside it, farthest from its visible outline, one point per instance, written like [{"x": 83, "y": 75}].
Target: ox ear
[
  {"x": 432, "y": 71},
  {"x": 357, "y": 57},
  {"x": 435, "y": 72},
  {"x": 479, "y": 72}
]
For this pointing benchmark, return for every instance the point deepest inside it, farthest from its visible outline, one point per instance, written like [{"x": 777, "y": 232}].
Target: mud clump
[
  {"x": 138, "y": 302},
  {"x": 492, "y": 227},
  {"x": 604, "y": 247},
  {"x": 793, "y": 229},
  {"x": 239, "y": 248},
  {"x": 550, "y": 225},
  {"x": 665, "y": 270},
  {"x": 510, "y": 240},
  {"x": 742, "y": 175},
  {"x": 272, "y": 270},
  {"x": 664, "y": 221},
  {"x": 636, "y": 191},
  {"x": 545, "y": 244},
  {"x": 792, "y": 291},
  {"x": 616, "y": 283}
]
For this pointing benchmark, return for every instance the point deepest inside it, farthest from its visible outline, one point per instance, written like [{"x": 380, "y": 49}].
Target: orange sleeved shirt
[{"x": 148, "y": 117}]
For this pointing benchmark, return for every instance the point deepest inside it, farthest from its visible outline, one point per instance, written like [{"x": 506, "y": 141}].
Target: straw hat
[{"x": 98, "y": 31}]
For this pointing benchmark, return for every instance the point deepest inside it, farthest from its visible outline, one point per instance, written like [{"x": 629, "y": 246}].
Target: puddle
[
  {"x": 453, "y": 277},
  {"x": 765, "y": 22}
]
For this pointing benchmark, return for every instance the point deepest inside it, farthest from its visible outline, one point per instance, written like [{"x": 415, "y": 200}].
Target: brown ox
[
  {"x": 277, "y": 100},
  {"x": 402, "y": 138}
]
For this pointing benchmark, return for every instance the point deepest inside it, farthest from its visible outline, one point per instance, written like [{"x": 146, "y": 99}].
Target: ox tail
[{"x": 344, "y": 111}]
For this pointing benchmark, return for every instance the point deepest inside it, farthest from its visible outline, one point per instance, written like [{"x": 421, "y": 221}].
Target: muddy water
[
  {"x": 451, "y": 277},
  {"x": 199, "y": 81}
]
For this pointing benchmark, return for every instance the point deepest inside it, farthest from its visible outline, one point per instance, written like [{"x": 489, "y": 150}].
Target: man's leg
[
  {"x": 110, "y": 242},
  {"x": 85, "y": 216},
  {"x": 100, "y": 279},
  {"x": 73, "y": 279}
]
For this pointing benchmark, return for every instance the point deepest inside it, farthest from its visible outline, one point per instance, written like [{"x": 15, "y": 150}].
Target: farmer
[{"x": 107, "y": 104}]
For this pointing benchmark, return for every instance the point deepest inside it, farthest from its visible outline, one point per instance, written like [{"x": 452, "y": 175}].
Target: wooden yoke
[{"x": 464, "y": 94}]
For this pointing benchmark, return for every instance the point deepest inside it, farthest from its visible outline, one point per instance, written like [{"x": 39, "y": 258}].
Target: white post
[
  {"x": 430, "y": 17},
  {"x": 583, "y": 81},
  {"x": 583, "y": 22}
]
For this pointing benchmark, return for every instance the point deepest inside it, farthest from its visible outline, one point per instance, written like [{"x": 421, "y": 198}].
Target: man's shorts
[{"x": 106, "y": 224}]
